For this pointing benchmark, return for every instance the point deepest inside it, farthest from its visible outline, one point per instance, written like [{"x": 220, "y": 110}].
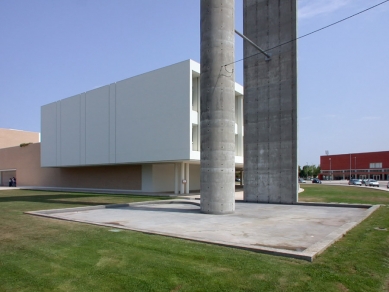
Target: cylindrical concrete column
[{"x": 217, "y": 102}]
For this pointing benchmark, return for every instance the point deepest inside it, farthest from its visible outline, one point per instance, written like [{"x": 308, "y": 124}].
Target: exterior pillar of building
[
  {"x": 187, "y": 178},
  {"x": 270, "y": 102},
  {"x": 182, "y": 177},
  {"x": 176, "y": 178},
  {"x": 217, "y": 118}
]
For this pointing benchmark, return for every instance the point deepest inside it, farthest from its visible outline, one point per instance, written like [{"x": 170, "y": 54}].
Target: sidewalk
[{"x": 9, "y": 188}]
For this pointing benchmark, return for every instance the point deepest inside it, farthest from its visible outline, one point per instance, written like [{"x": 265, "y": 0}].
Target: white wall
[
  {"x": 70, "y": 130},
  {"x": 147, "y": 178},
  {"x": 49, "y": 139},
  {"x": 194, "y": 177},
  {"x": 163, "y": 177},
  {"x": 160, "y": 177},
  {"x": 152, "y": 114},
  {"x": 195, "y": 112},
  {"x": 96, "y": 126},
  {"x": 145, "y": 118}
]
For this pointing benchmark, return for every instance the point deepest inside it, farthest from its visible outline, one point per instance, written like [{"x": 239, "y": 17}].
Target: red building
[{"x": 374, "y": 165}]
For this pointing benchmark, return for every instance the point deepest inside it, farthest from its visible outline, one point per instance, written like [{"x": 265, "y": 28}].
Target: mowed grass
[
  {"x": 41, "y": 254},
  {"x": 342, "y": 194}
]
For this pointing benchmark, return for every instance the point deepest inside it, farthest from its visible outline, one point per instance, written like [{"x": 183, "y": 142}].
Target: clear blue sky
[{"x": 51, "y": 50}]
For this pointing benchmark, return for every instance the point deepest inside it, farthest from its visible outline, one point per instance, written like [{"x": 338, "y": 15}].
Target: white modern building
[{"x": 150, "y": 121}]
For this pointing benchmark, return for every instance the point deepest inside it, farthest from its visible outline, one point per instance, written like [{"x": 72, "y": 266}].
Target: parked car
[
  {"x": 355, "y": 182},
  {"x": 387, "y": 186},
  {"x": 364, "y": 181},
  {"x": 302, "y": 181},
  {"x": 316, "y": 181},
  {"x": 372, "y": 183}
]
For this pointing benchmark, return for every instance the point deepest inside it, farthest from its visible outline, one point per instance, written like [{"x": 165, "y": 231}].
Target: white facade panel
[
  {"x": 238, "y": 89},
  {"x": 58, "y": 133},
  {"x": 97, "y": 126},
  {"x": 147, "y": 178},
  {"x": 70, "y": 130},
  {"x": 49, "y": 140},
  {"x": 195, "y": 112},
  {"x": 82, "y": 128},
  {"x": 195, "y": 155},
  {"x": 145, "y": 119},
  {"x": 194, "y": 117},
  {"x": 153, "y": 116},
  {"x": 112, "y": 123}
]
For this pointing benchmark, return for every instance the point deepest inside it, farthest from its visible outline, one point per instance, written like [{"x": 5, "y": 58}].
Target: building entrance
[
  {"x": 5, "y": 175},
  {"x": 377, "y": 177}
]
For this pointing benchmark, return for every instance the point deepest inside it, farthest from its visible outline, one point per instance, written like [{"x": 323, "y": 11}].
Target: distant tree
[
  {"x": 301, "y": 172},
  {"x": 305, "y": 171},
  {"x": 316, "y": 171},
  {"x": 309, "y": 171}
]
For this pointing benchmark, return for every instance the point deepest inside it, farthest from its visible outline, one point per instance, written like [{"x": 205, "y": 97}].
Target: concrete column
[
  {"x": 176, "y": 177},
  {"x": 147, "y": 178},
  {"x": 187, "y": 178},
  {"x": 182, "y": 177},
  {"x": 270, "y": 102},
  {"x": 217, "y": 93}
]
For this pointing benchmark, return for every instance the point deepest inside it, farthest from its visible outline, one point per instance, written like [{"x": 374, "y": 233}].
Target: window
[
  {"x": 195, "y": 138},
  {"x": 196, "y": 94},
  {"x": 376, "y": 165}
]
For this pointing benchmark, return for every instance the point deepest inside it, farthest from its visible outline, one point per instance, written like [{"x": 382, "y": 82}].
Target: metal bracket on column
[{"x": 268, "y": 56}]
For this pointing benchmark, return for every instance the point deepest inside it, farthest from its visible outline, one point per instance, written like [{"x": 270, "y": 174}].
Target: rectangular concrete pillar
[
  {"x": 176, "y": 177},
  {"x": 270, "y": 102},
  {"x": 187, "y": 178},
  {"x": 182, "y": 177}
]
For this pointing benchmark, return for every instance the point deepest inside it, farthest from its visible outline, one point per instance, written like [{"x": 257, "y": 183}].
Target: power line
[{"x": 315, "y": 31}]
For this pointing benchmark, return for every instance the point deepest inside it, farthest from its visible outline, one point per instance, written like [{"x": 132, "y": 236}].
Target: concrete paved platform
[{"x": 299, "y": 231}]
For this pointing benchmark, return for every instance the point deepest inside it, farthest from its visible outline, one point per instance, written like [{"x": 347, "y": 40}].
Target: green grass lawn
[
  {"x": 342, "y": 194},
  {"x": 41, "y": 254}
]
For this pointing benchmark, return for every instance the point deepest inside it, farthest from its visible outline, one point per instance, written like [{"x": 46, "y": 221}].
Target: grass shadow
[{"x": 80, "y": 199}]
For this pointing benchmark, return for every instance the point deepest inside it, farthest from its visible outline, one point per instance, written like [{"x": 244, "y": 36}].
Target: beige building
[
  {"x": 23, "y": 163},
  {"x": 11, "y": 137},
  {"x": 20, "y": 157}
]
